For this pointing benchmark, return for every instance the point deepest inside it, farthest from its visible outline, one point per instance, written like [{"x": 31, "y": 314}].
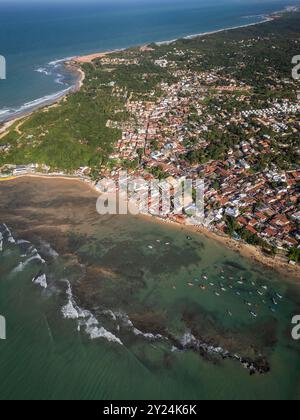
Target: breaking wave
[
  {"x": 55, "y": 69},
  {"x": 41, "y": 279},
  {"x": 85, "y": 319},
  {"x": 5, "y": 236}
]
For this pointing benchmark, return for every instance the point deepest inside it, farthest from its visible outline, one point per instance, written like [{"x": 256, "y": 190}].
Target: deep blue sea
[{"x": 35, "y": 34}]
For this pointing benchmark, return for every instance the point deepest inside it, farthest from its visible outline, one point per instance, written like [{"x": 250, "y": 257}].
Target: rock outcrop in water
[{"x": 190, "y": 342}]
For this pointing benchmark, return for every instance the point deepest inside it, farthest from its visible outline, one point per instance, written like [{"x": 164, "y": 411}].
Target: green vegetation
[
  {"x": 76, "y": 132},
  {"x": 294, "y": 255},
  {"x": 70, "y": 135}
]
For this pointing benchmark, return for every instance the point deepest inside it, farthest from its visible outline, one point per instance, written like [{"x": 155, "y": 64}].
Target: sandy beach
[
  {"x": 244, "y": 249},
  {"x": 90, "y": 57},
  {"x": 74, "y": 65}
]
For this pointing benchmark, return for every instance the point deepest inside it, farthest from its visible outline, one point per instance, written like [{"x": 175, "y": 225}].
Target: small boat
[
  {"x": 265, "y": 287},
  {"x": 150, "y": 246},
  {"x": 212, "y": 284},
  {"x": 260, "y": 293},
  {"x": 279, "y": 296},
  {"x": 272, "y": 310},
  {"x": 174, "y": 287},
  {"x": 223, "y": 289},
  {"x": 229, "y": 313},
  {"x": 223, "y": 278},
  {"x": 230, "y": 286},
  {"x": 238, "y": 293},
  {"x": 240, "y": 282},
  {"x": 254, "y": 314},
  {"x": 217, "y": 294},
  {"x": 203, "y": 287},
  {"x": 274, "y": 302},
  {"x": 191, "y": 284},
  {"x": 188, "y": 238},
  {"x": 205, "y": 277},
  {"x": 253, "y": 283}
]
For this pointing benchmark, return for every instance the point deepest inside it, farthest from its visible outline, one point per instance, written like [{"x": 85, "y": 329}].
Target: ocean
[
  {"x": 123, "y": 307},
  {"x": 36, "y": 36}
]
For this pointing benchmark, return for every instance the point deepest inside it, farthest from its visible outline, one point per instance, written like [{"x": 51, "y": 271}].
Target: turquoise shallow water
[
  {"x": 33, "y": 35},
  {"x": 134, "y": 285}
]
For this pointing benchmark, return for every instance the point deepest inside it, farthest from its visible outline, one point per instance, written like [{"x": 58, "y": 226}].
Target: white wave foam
[
  {"x": 42, "y": 100},
  {"x": 43, "y": 71},
  {"x": 86, "y": 319},
  {"x": 110, "y": 313},
  {"x": 4, "y": 111},
  {"x": 6, "y": 235},
  {"x": 129, "y": 324},
  {"x": 59, "y": 61},
  {"x": 49, "y": 250},
  {"x": 35, "y": 104},
  {"x": 41, "y": 280},
  {"x": 24, "y": 264},
  {"x": 69, "y": 311},
  {"x": 95, "y": 332}
]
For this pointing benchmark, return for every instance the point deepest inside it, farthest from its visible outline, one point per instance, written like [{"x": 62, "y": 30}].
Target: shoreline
[
  {"x": 249, "y": 252},
  {"x": 74, "y": 63},
  {"x": 18, "y": 116}
]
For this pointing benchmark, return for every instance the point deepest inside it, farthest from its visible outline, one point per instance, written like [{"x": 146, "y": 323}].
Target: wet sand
[
  {"x": 68, "y": 186},
  {"x": 137, "y": 266},
  {"x": 248, "y": 251}
]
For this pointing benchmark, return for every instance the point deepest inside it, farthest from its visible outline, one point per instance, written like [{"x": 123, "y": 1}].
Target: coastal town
[{"x": 210, "y": 124}]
